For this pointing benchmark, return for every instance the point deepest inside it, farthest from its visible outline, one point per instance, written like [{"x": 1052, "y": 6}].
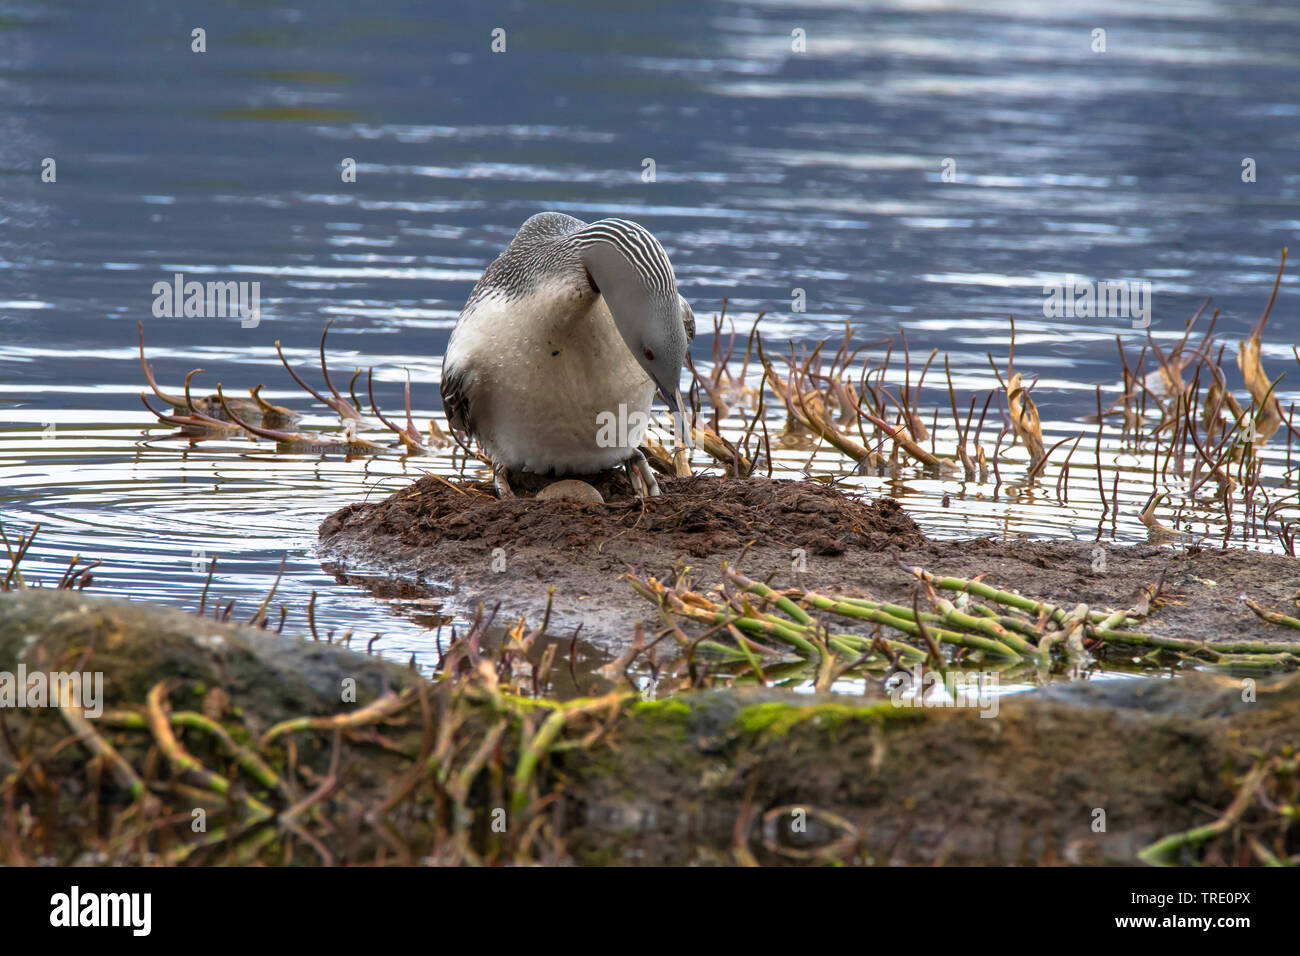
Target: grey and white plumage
[{"x": 572, "y": 320}]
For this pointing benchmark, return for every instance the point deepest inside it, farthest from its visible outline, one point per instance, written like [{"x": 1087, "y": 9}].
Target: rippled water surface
[{"x": 774, "y": 171}]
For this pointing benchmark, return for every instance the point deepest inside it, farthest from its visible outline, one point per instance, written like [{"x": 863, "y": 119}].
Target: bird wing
[{"x": 455, "y": 401}]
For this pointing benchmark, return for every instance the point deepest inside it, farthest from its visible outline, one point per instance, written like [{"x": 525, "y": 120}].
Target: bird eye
[{"x": 650, "y": 355}]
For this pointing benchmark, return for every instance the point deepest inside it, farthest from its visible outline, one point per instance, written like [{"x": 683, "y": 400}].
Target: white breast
[{"x": 550, "y": 383}]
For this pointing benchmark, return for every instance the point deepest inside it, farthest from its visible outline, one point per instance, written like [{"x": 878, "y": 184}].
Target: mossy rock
[
  {"x": 267, "y": 676},
  {"x": 671, "y": 781}
]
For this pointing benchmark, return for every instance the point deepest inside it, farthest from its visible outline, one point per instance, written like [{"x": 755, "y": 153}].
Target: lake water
[{"x": 923, "y": 166}]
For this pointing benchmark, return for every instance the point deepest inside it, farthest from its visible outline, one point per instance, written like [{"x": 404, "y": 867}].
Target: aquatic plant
[{"x": 983, "y": 625}]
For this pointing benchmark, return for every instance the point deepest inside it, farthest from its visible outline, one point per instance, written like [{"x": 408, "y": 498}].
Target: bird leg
[
  {"x": 641, "y": 476},
  {"x": 634, "y": 479},
  {"x": 501, "y": 482}
]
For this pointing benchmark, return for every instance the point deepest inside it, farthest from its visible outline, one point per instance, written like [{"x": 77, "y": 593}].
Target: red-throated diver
[{"x": 575, "y": 326}]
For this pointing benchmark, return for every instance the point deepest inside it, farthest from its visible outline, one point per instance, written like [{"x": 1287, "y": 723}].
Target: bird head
[
  {"x": 630, "y": 269},
  {"x": 658, "y": 343}
]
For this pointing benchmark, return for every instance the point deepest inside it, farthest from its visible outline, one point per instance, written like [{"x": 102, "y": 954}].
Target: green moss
[
  {"x": 779, "y": 717},
  {"x": 670, "y": 708},
  {"x": 669, "y": 718},
  {"x": 520, "y": 703}
]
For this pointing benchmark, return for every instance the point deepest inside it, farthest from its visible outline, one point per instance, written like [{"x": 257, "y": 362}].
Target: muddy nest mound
[
  {"x": 698, "y": 516},
  {"x": 460, "y": 544}
]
